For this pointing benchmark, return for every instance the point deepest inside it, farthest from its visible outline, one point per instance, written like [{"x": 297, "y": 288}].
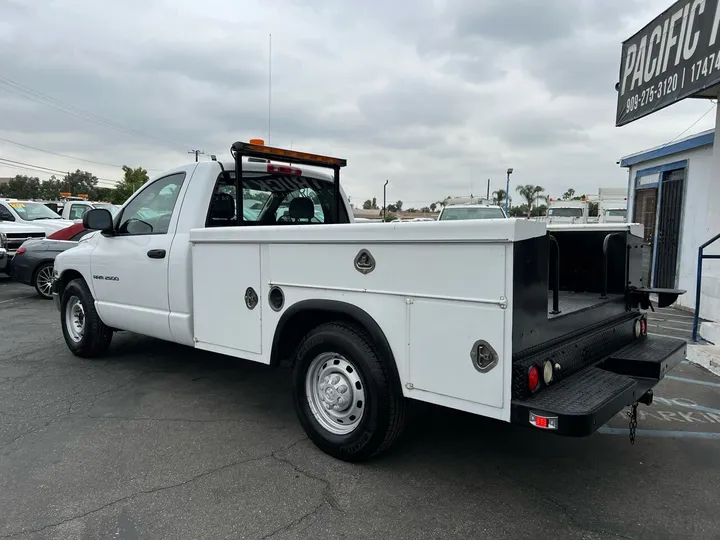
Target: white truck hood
[
  {"x": 11, "y": 227},
  {"x": 52, "y": 225}
]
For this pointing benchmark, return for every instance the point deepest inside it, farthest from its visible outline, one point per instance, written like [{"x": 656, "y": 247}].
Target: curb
[{"x": 707, "y": 356}]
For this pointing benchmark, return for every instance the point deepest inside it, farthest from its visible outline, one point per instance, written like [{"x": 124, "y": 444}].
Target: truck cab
[
  {"x": 74, "y": 210},
  {"x": 510, "y": 319},
  {"x": 562, "y": 211},
  {"x": 32, "y": 213}
]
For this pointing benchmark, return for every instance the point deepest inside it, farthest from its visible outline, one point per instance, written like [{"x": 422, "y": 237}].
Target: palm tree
[
  {"x": 499, "y": 196},
  {"x": 531, "y": 194}
]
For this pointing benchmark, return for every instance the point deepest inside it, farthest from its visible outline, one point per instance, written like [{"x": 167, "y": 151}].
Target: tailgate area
[{"x": 582, "y": 402}]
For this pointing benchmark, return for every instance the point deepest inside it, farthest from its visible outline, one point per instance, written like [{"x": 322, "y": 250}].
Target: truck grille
[{"x": 15, "y": 240}]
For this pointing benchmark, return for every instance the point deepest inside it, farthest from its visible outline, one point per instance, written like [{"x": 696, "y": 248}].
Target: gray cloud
[{"x": 437, "y": 97}]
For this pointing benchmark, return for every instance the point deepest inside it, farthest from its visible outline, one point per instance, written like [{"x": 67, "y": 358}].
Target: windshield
[
  {"x": 565, "y": 212},
  {"x": 452, "y": 214},
  {"x": 615, "y": 212},
  {"x": 109, "y": 207},
  {"x": 30, "y": 211}
]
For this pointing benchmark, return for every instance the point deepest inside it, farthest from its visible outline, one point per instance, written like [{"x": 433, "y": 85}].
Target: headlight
[{"x": 3, "y": 240}]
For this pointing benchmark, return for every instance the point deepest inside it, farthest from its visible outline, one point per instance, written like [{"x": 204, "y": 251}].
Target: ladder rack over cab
[{"x": 259, "y": 259}]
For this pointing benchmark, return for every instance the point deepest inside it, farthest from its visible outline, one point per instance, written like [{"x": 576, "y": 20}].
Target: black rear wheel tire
[{"x": 384, "y": 407}]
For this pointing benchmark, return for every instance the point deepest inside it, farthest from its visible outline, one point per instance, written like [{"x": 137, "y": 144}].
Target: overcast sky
[{"x": 436, "y": 96}]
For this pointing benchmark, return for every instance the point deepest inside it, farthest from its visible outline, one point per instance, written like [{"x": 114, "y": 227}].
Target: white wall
[
  {"x": 702, "y": 195},
  {"x": 710, "y": 299}
]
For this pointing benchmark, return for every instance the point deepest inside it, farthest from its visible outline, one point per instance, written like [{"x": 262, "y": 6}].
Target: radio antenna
[{"x": 269, "y": 84}]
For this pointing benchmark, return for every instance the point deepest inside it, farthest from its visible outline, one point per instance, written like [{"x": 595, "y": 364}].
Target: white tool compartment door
[{"x": 222, "y": 275}]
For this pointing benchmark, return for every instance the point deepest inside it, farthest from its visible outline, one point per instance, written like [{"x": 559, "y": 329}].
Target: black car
[{"x": 34, "y": 260}]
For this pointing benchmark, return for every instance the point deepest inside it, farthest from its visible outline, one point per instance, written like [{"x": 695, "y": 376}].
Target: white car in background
[
  {"x": 32, "y": 213},
  {"x": 456, "y": 212}
]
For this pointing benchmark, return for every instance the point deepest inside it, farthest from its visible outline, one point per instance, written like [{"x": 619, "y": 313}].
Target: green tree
[
  {"x": 425, "y": 209},
  {"x": 132, "y": 180},
  {"x": 22, "y": 187},
  {"x": 79, "y": 182},
  {"x": 374, "y": 205},
  {"x": 499, "y": 197},
  {"x": 569, "y": 194},
  {"x": 531, "y": 194},
  {"x": 433, "y": 206},
  {"x": 399, "y": 205},
  {"x": 368, "y": 205},
  {"x": 392, "y": 208}
]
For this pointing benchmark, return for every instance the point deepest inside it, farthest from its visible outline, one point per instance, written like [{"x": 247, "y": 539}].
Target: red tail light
[
  {"x": 533, "y": 378},
  {"x": 20, "y": 251},
  {"x": 643, "y": 326},
  {"x": 282, "y": 169}
]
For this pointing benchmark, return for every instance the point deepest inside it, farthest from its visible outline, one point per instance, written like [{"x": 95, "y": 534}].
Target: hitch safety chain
[{"x": 632, "y": 415}]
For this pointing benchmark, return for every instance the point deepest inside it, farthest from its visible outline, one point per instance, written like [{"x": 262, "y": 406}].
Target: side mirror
[{"x": 98, "y": 219}]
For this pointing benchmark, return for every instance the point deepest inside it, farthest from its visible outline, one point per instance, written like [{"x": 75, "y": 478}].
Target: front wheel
[
  {"x": 85, "y": 334},
  {"x": 344, "y": 395}
]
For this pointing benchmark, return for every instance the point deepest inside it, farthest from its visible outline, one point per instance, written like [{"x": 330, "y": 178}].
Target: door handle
[{"x": 156, "y": 253}]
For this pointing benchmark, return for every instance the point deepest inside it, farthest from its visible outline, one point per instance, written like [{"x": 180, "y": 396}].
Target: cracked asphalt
[{"x": 159, "y": 441}]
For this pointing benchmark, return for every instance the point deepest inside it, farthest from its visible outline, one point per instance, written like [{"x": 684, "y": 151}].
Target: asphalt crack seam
[
  {"x": 69, "y": 413},
  {"x": 328, "y": 497},
  {"x": 149, "y": 492}
]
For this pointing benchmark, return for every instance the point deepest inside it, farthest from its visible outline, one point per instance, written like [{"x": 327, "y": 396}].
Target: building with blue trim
[{"x": 674, "y": 192}]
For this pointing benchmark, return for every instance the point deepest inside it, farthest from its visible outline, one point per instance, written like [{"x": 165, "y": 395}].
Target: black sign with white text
[{"x": 673, "y": 57}]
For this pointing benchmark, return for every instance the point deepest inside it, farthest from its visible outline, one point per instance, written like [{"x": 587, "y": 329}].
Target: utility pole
[
  {"x": 488, "y": 190},
  {"x": 196, "y": 152}
]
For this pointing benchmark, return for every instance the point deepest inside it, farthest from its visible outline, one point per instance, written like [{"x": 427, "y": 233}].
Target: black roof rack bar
[{"x": 242, "y": 149}]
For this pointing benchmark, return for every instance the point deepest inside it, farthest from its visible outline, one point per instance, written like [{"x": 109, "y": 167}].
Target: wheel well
[
  {"x": 66, "y": 277},
  {"x": 302, "y": 317}
]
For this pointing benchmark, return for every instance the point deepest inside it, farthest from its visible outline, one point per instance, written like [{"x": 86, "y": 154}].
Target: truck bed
[{"x": 573, "y": 302}]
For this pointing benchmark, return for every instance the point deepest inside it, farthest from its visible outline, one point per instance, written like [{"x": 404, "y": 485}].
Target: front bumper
[{"x": 580, "y": 404}]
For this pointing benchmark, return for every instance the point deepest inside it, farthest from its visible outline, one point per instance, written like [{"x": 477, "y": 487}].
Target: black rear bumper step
[
  {"x": 582, "y": 403},
  {"x": 648, "y": 358}
]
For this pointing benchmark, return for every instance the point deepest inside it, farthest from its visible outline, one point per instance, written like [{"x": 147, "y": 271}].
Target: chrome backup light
[
  {"x": 543, "y": 422},
  {"x": 548, "y": 372}
]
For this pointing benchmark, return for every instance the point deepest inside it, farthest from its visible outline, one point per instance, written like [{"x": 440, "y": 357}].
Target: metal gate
[
  {"x": 645, "y": 212},
  {"x": 668, "y": 234}
]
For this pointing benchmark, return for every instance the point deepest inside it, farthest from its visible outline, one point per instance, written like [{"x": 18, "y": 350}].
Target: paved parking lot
[{"x": 160, "y": 441}]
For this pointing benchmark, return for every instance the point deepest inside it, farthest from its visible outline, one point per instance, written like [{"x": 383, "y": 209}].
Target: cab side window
[
  {"x": 77, "y": 211},
  {"x": 5, "y": 214},
  {"x": 150, "y": 212}
]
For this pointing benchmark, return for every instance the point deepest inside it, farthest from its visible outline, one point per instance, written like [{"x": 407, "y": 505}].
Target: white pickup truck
[{"x": 484, "y": 316}]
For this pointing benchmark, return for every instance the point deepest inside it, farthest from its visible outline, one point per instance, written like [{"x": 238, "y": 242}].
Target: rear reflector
[{"x": 543, "y": 422}]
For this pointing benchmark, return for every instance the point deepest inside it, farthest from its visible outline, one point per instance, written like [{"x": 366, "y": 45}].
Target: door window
[
  {"x": 151, "y": 210},
  {"x": 77, "y": 211},
  {"x": 5, "y": 214}
]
